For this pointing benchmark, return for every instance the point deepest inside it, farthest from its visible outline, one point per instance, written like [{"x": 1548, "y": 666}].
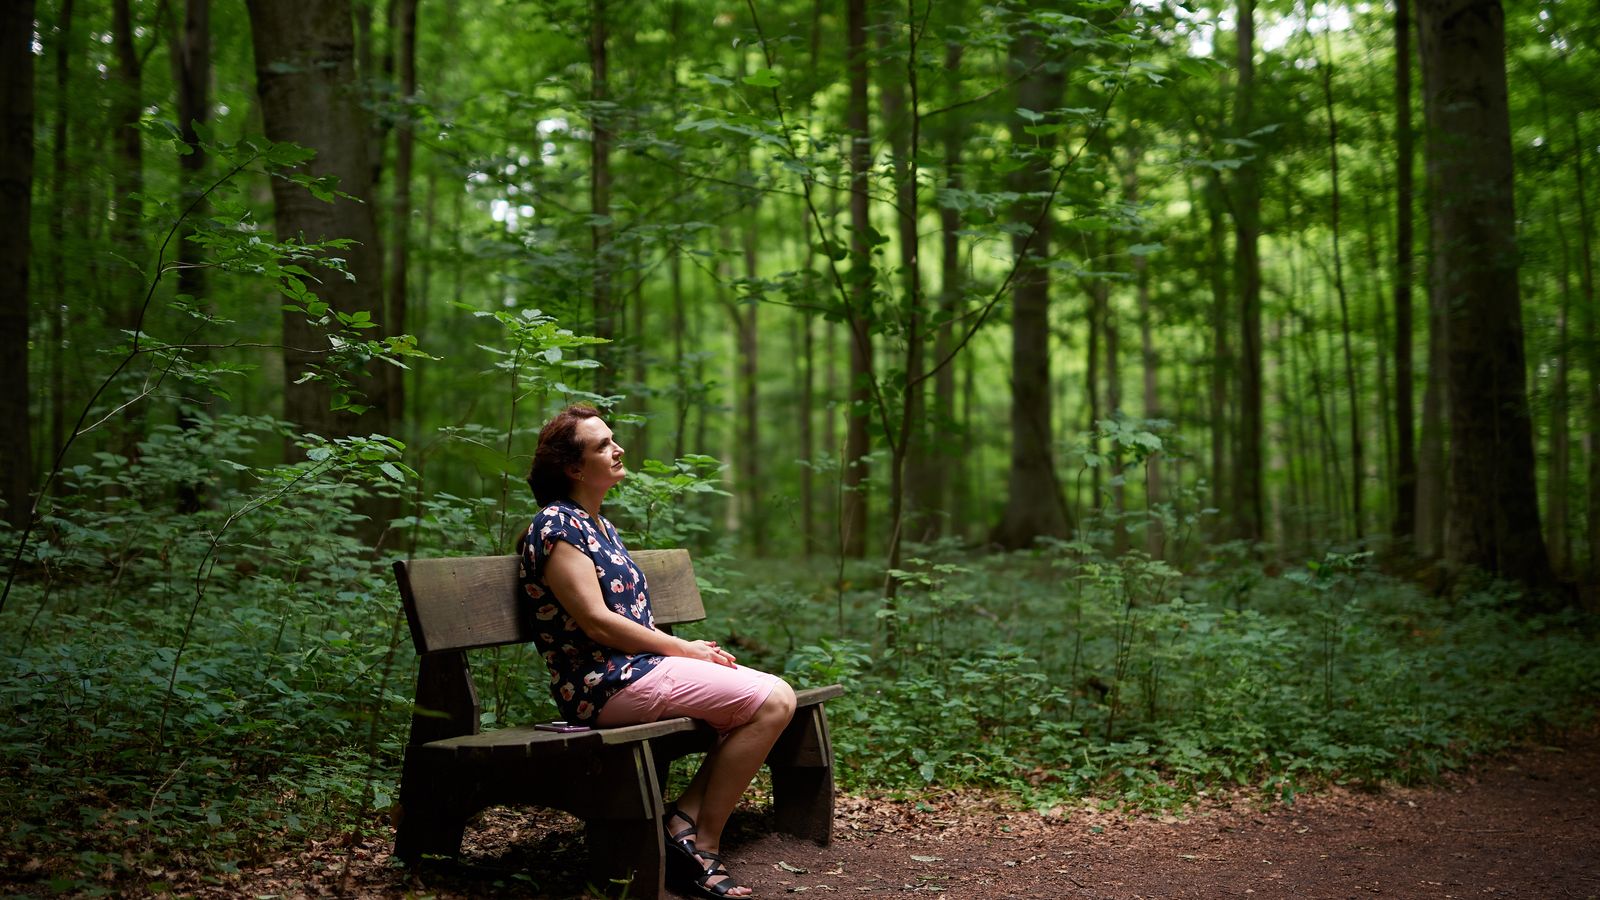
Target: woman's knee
[{"x": 780, "y": 703}]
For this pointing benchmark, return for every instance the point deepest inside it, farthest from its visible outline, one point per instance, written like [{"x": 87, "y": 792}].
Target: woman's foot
[
  {"x": 714, "y": 882},
  {"x": 679, "y": 829}
]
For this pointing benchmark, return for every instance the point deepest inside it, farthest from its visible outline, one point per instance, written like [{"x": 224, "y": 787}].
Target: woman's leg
[{"x": 728, "y": 769}]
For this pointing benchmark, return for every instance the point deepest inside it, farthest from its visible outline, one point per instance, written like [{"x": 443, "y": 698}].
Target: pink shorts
[{"x": 722, "y": 697}]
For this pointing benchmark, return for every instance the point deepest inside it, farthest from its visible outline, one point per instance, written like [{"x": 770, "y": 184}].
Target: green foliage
[{"x": 1065, "y": 673}]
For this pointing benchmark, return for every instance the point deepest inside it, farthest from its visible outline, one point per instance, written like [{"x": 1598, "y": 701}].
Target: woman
[{"x": 608, "y": 664}]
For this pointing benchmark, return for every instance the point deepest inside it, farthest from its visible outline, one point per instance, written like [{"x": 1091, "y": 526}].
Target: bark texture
[
  {"x": 853, "y": 518},
  {"x": 1492, "y": 510},
  {"x": 1033, "y": 504},
  {"x": 305, "y": 75},
  {"x": 16, "y": 202},
  {"x": 1246, "y": 481}
]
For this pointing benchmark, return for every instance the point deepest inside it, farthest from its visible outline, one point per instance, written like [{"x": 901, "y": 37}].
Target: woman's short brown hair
[{"x": 558, "y": 449}]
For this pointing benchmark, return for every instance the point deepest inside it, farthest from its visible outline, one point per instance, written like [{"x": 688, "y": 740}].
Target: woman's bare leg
[{"x": 728, "y": 769}]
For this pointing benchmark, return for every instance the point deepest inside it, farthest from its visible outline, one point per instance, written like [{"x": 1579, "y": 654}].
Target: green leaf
[{"x": 765, "y": 78}]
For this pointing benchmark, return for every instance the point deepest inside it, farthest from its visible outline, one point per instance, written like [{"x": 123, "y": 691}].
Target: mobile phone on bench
[{"x": 560, "y": 726}]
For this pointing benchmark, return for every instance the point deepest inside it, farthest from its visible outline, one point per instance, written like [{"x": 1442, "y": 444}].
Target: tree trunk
[
  {"x": 1592, "y": 326},
  {"x": 1380, "y": 321},
  {"x": 1405, "y": 509},
  {"x": 1246, "y": 481},
  {"x": 1558, "y": 480},
  {"x": 305, "y": 73},
  {"x": 16, "y": 204},
  {"x": 128, "y": 171},
  {"x": 600, "y": 200},
  {"x": 853, "y": 517},
  {"x": 1221, "y": 354},
  {"x": 65, "y": 52},
  {"x": 1033, "y": 503},
  {"x": 1150, "y": 359},
  {"x": 191, "y": 74},
  {"x": 950, "y": 306},
  {"x": 909, "y": 510},
  {"x": 1493, "y": 512},
  {"x": 749, "y": 425},
  {"x": 1352, "y": 382},
  {"x": 397, "y": 313}
]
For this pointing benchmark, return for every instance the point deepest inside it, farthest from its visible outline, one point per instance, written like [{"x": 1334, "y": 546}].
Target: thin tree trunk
[
  {"x": 749, "y": 426},
  {"x": 1352, "y": 379},
  {"x": 1558, "y": 480},
  {"x": 1246, "y": 482},
  {"x": 1119, "y": 498},
  {"x": 951, "y": 287},
  {"x": 1150, "y": 359},
  {"x": 66, "y": 51},
  {"x": 808, "y": 349},
  {"x": 1221, "y": 355},
  {"x": 1405, "y": 511},
  {"x": 128, "y": 172},
  {"x": 403, "y": 37},
  {"x": 1386, "y": 467},
  {"x": 16, "y": 206},
  {"x": 853, "y": 517},
  {"x": 600, "y": 199},
  {"x": 191, "y": 74},
  {"x": 1491, "y": 493}
]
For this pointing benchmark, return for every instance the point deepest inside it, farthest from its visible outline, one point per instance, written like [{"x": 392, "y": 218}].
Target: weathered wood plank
[
  {"x": 674, "y": 594},
  {"x": 463, "y": 604}
]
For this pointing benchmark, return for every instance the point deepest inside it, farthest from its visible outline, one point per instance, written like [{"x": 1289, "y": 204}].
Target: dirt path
[{"x": 1526, "y": 825}]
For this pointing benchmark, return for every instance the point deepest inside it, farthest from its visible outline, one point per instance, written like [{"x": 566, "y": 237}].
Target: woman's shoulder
[{"x": 557, "y": 515}]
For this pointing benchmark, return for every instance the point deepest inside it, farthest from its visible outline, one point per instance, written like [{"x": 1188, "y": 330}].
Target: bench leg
[
  {"x": 626, "y": 857},
  {"x": 802, "y": 777},
  {"x": 433, "y": 814},
  {"x": 627, "y": 853}
]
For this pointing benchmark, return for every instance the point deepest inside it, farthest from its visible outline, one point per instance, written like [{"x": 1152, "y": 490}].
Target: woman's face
[{"x": 602, "y": 456}]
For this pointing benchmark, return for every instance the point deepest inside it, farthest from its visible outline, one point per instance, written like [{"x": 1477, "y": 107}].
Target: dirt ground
[{"x": 1523, "y": 825}]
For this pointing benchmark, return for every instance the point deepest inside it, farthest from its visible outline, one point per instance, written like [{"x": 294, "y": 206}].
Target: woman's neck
[{"x": 588, "y": 497}]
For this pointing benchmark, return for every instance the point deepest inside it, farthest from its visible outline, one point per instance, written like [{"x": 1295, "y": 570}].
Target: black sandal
[
  {"x": 709, "y": 870},
  {"x": 682, "y": 867}
]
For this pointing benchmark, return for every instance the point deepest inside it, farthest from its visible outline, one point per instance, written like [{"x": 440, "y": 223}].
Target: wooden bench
[{"x": 611, "y": 778}]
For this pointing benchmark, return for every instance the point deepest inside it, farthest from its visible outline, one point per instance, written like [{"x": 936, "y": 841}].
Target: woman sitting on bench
[{"x": 608, "y": 664}]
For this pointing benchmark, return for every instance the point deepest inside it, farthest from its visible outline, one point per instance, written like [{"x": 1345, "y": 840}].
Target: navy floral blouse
[{"x": 583, "y": 673}]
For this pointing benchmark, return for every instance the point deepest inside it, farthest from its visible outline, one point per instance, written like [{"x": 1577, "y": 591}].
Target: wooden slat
[
  {"x": 471, "y": 602},
  {"x": 523, "y": 741},
  {"x": 646, "y": 730},
  {"x": 463, "y": 603},
  {"x": 812, "y": 696},
  {"x": 674, "y": 594}
]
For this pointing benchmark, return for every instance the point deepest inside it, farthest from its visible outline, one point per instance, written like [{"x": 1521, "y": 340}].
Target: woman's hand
[{"x": 708, "y": 651}]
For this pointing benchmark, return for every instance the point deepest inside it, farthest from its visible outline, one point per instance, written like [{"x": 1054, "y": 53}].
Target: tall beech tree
[
  {"x": 305, "y": 76},
  {"x": 1033, "y": 499},
  {"x": 853, "y": 517},
  {"x": 1246, "y": 202},
  {"x": 1404, "y": 524},
  {"x": 16, "y": 207},
  {"x": 1491, "y": 495}
]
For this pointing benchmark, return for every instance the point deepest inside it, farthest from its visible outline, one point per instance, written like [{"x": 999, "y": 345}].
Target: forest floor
[{"x": 1525, "y": 824}]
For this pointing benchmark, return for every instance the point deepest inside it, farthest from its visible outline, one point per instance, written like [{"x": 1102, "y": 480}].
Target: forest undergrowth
[{"x": 200, "y": 689}]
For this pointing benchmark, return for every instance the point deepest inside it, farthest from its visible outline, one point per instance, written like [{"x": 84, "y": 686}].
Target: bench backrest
[{"x": 472, "y": 602}]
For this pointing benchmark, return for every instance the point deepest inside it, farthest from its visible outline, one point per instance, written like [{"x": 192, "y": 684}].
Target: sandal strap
[
  {"x": 680, "y": 837},
  {"x": 714, "y": 869}
]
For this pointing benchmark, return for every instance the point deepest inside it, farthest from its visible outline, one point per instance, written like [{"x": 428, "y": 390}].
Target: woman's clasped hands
[{"x": 710, "y": 652}]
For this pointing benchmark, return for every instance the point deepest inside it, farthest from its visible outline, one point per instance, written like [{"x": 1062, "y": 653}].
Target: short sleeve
[{"x": 553, "y": 524}]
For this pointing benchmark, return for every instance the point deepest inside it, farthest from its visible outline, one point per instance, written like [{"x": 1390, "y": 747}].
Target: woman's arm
[{"x": 570, "y": 574}]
